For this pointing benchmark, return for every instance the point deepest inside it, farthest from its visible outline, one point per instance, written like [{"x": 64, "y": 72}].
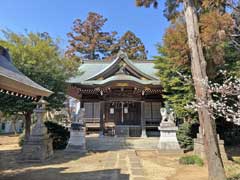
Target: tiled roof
[
  {"x": 91, "y": 69},
  {"x": 11, "y": 79}
]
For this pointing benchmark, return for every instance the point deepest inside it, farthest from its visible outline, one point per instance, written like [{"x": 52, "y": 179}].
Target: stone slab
[{"x": 137, "y": 172}]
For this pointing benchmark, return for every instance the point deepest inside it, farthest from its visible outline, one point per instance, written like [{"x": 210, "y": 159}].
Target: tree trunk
[
  {"x": 27, "y": 124},
  {"x": 200, "y": 79},
  {"x": 14, "y": 124}
]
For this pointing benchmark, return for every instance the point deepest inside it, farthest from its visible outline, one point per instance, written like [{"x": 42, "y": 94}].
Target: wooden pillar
[
  {"x": 102, "y": 116},
  {"x": 82, "y": 113},
  {"x": 81, "y": 104},
  {"x": 143, "y": 123}
]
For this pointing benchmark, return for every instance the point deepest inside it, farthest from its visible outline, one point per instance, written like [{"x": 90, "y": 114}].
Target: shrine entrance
[{"x": 124, "y": 116}]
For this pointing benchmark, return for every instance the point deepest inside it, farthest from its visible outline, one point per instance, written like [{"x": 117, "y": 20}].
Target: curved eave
[
  {"x": 123, "y": 57},
  {"x": 120, "y": 79},
  {"x": 14, "y": 82}
]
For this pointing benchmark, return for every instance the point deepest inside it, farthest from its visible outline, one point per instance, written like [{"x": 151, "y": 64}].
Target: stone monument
[
  {"x": 199, "y": 146},
  {"x": 77, "y": 140},
  {"x": 168, "y": 142},
  {"x": 38, "y": 147}
]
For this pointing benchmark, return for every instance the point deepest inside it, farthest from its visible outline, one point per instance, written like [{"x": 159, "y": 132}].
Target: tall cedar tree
[
  {"x": 38, "y": 57},
  {"x": 199, "y": 74},
  {"x": 132, "y": 45},
  {"x": 88, "y": 41}
]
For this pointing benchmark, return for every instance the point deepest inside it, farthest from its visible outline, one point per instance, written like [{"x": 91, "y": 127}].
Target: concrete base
[
  {"x": 168, "y": 140},
  {"x": 77, "y": 141},
  {"x": 36, "y": 149},
  {"x": 144, "y": 134},
  {"x": 101, "y": 134}
]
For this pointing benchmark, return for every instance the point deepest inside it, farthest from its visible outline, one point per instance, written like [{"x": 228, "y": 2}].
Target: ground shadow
[
  {"x": 63, "y": 174},
  {"x": 9, "y": 159}
]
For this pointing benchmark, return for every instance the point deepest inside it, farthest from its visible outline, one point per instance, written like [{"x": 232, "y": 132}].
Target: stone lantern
[{"x": 38, "y": 147}]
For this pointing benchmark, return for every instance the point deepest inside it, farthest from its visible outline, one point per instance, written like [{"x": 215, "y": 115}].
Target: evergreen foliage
[
  {"x": 59, "y": 134},
  {"x": 236, "y": 177},
  {"x": 177, "y": 92},
  {"x": 88, "y": 41},
  {"x": 132, "y": 45},
  {"x": 38, "y": 56},
  {"x": 185, "y": 135}
]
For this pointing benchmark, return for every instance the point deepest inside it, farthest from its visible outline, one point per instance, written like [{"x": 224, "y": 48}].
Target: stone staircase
[{"x": 95, "y": 143}]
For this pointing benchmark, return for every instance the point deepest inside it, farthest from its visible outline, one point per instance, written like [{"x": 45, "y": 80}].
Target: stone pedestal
[
  {"x": 38, "y": 147},
  {"x": 77, "y": 141},
  {"x": 144, "y": 134},
  {"x": 199, "y": 147},
  {"x": 168, "y": 142}
]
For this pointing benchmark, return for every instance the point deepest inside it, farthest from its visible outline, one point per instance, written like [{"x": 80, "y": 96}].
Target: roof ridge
[{"x": 110, "y": 61}]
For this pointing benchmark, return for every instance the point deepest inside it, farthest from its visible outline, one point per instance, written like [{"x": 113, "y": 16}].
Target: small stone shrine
[
  {"x": 77, "y": 141},
  {"x": 199, "y": 147},
  {"x": 168, "y": 140},
  {"x": 38, "y": 147}
]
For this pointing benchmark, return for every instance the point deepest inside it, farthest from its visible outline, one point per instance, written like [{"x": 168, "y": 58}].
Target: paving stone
[
  {"x": 122, "y": 162},
  {"x": 124, "y": 169},
  {"x": 137, "y": 172},
  {"x": 135, "y": 161},
  {"x": 138, "y": 178},
  {"x": 122, "y": 156},
  {"x": 109, "y": 165},
  {"x": 136, "y": 165},
  {"x": 132, "y": 155}
]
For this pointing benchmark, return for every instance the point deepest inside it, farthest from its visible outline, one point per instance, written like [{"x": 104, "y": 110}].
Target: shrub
[
  {"x": 58, "y": 133},
  {"x": 184, "y": 136},
  {"x": 236, "y": 177},
  {"x": 21, "y": 138},
  {"x": 194, "y": 159}
]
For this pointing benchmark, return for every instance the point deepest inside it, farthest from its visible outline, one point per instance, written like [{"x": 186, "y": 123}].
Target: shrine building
[{"x": 121, "y": 97}]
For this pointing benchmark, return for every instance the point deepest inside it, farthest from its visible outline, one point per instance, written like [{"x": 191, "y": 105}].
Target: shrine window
[
  {"x": 92, "y": 110},
  {"x": 152, "y": 111}
]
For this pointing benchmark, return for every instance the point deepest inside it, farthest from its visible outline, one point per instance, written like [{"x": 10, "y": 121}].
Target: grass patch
[
  {"x": 236, "y": 160},
  {"x": 236, "y": 177},
  {"x": 194, "y": 159}
]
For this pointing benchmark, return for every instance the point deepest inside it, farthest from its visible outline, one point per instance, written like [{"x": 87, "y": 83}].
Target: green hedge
[
  {"x": 194, "y": 159},
  {"x": 185, "y": 135},
  {"x": 58, "y": 133}
]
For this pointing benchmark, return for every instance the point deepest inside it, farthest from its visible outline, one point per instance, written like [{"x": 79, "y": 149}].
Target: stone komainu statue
[{"x": 167, "y": 117}]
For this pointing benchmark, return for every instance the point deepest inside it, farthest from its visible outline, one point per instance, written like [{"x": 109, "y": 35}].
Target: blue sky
[{"x": 56, "y": 17}]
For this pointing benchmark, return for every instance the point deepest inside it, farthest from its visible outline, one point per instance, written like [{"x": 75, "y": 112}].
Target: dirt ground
[{"x": 102, "y": 165}]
